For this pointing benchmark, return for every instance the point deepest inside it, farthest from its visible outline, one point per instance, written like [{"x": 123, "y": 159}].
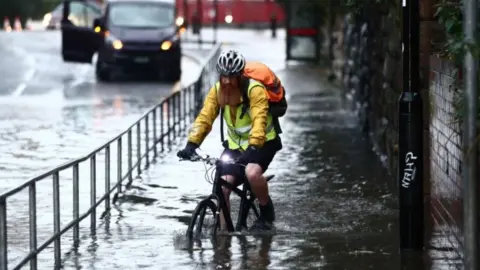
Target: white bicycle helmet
[{"x": 230, "y": 63}]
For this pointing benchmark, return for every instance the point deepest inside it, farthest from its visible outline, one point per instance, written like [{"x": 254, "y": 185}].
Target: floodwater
[{"x": 335, "y": 205}]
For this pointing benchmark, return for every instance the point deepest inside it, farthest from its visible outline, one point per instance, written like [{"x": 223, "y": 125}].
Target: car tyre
[
  {"x": 173, "y": 75},
  {"x": 102, "y": 74}
]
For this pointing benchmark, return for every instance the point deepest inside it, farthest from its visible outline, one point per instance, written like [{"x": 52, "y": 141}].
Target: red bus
[{"x": 234, "y": 12}]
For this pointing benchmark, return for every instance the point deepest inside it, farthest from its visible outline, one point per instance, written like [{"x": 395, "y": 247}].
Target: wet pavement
[
  {"x": 336, "y": 208},
  {"x": 53, "y": 111}
]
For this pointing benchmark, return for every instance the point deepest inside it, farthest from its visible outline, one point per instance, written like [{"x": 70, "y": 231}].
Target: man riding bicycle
[{"x": 252, "y": 139}]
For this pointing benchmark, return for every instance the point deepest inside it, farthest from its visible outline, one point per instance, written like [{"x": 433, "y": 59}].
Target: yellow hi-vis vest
[{"x": 238, "y": 134}]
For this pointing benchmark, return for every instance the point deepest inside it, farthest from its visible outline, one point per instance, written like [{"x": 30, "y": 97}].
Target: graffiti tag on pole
[{"x": 409, "y": 170}]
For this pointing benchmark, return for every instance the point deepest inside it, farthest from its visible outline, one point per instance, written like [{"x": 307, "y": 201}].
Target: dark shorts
[{"x": 265, "y": 157}]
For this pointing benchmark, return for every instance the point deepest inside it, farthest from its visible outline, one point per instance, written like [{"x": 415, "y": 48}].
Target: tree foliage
[{"x": 449, "y": 15}]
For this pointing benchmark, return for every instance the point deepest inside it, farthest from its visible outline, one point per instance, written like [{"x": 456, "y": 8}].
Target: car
[{"x": 134, "y": 36}]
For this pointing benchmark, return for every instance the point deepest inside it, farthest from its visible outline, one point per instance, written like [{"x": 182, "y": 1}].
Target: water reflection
[
  {"x": 249, "y": 252},
  {"x": 336, "y": 208}
]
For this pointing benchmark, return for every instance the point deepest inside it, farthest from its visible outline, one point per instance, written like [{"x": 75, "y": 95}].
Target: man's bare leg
[
  {"x": 258, "y": 182},
  {"x": 259, "y": 187},
  {"x": 226, "y": 194}
]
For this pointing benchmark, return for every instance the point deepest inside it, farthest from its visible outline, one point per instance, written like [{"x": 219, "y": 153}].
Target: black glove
[
  {"x": 188, "y": 151},
  {"x": 249, "y": 156}
]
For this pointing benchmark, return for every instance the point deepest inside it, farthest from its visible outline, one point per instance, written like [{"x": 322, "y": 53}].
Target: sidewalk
[{"x": 334, "y": 209}]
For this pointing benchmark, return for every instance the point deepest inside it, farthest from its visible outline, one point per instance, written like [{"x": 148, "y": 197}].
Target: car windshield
[{"x": 142, "y": 15}]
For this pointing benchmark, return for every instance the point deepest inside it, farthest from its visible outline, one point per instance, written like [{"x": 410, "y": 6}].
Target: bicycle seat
[{"x": 269, "y": 177}]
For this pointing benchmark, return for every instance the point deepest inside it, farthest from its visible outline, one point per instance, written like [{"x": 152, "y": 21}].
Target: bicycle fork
[{"x": 222, "y": 207}]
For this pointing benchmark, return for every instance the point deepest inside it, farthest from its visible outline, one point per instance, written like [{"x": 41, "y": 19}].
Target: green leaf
[{"x": 449, "y": 24}]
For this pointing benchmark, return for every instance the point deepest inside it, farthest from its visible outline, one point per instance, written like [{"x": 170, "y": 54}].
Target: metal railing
[{"x": 144, "y": 140}]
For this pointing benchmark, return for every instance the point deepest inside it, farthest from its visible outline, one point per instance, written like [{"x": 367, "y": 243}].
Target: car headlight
[
  {"x": 179, "y": 21},
  {"x": 167, "y": 44},
  {"x": 116, "y": 43}
]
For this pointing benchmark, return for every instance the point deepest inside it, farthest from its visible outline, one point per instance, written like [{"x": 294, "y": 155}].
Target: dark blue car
[{"x": 130, "y": 36}]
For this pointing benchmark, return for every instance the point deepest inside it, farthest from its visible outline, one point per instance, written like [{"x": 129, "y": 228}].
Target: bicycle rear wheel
[{"x": 205, "y": 220}]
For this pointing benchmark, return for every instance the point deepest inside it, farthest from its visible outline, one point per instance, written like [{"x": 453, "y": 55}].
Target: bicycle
[{"x": 216, "y": 201}]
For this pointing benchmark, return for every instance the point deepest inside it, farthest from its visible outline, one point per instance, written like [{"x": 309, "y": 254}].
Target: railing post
[
  {"x": 139, "y": 153},
  {"x": 154, "y": 125},
  {"x": 184, "y": 109},
  {"x": 93, "y": 193},
  {"x": 191, "y": 102},
  {"x": 56, "y": 219},
  {"x": 107, "y": 178},
  {"x": 169, "y": 115},
  {"x": 178, "y": 110},
  {"x": 119, "y": 165},
  {"x": 32, "y": 213},
  {"x": 76, "y": 204},
  {"x": 198, "y": 94},
  {"x": 174, "y": 115},
  {"x": 162, "y": 128},
  {"x": 130, "y": 156},
  {"x": 147, "y": 139},
  {"x": 3, "y": 235}
]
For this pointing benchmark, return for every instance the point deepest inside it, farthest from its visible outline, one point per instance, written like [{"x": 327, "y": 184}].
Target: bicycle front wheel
[{"x": 205, "y": 220}]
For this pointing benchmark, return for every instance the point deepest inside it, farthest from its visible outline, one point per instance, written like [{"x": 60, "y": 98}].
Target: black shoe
[
  {"x": 266, "y": 219},
  {"x": 268, "y": 211},
  {"x": 261, "y": 225}
]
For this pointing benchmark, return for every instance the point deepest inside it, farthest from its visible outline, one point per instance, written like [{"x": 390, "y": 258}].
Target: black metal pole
[
  {"x": 470, "y": 159},
  {"x": 273, "y": 17},
  {"x": 186, "y": 16},
  {"x": 273, "y": 25},
  {"x": 411, "y": 134}
]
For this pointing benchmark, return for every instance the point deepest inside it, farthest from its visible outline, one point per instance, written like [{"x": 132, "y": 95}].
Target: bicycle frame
[
  {"x": 246, "y": 200},
  {"x": 216, "y": 201}
]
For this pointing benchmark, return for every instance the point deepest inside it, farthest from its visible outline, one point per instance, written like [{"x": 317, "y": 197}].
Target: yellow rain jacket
[{"x": 258, "y": 114}]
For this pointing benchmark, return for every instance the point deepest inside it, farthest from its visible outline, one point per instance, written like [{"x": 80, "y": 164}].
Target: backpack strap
[
  {"x": 222, "y": 136},
  {"x": 276, "y": 125},
  {"x": 244, "y": 84}
]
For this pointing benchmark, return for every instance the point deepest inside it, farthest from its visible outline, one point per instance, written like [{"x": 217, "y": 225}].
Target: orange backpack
[{"x": 275, "y": 91}]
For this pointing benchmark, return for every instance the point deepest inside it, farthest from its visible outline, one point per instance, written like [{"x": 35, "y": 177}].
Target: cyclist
[{"x": 252, "y": 139}]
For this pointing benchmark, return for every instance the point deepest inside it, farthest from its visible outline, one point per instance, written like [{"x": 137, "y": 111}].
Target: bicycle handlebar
[{"x": 210, "y": 160}]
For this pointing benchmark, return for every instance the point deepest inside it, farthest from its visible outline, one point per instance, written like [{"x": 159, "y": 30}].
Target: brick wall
[
  {"x": 442, "y": 144},
  {"x": 445, "y": 196}
]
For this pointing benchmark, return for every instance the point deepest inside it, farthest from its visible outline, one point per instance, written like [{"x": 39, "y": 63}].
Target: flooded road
[
  {"x": 335, "y": 206},
  {"x": 52, "y": 112},
  {"x": 335, "y": 209}
]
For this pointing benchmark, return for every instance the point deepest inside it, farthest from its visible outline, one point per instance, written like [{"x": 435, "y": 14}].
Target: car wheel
[
  {"x": 173, "y": 75},
  {"x": 102, "y": 74}
]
